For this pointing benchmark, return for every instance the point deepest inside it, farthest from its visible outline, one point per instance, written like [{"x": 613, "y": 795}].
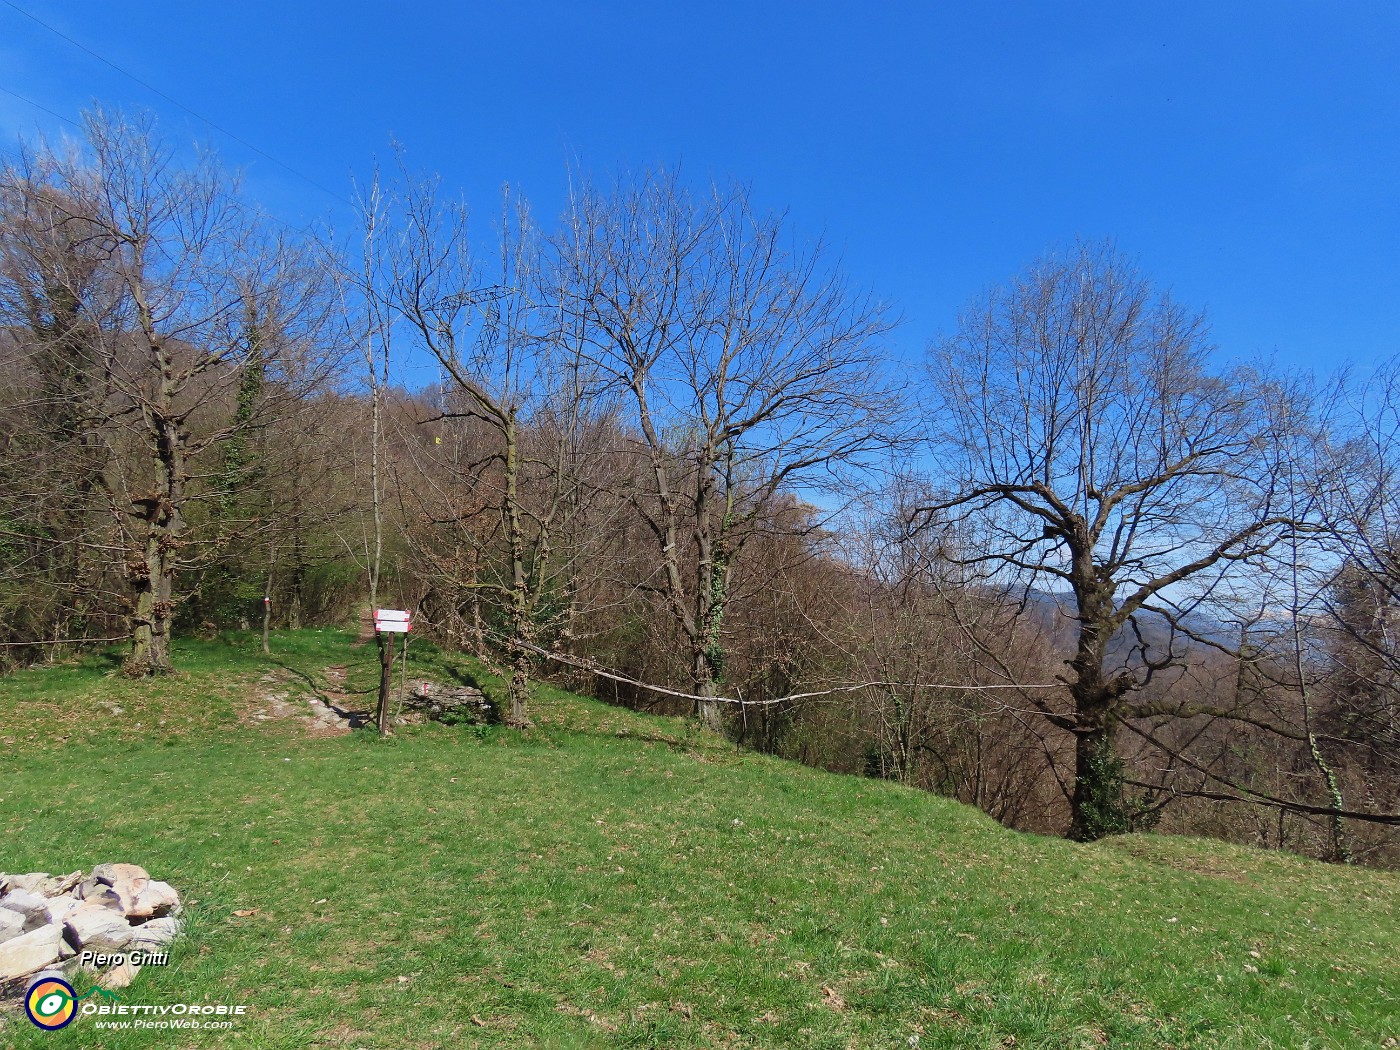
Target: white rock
[
  {"x": 96, "y": 927},
  {"x": 100, "y": 894},
  {"x": 126, "y": 897},
  {"x": 29, "y": 952},
  {"x": 129, "y": 893},
  {"x": 86, "y": 886},
  {"x": 40, "y": 883},
  {"x": 33, "y": 907},
  {"x": 126, "y": 880},
  {"x": 154, "y": 935},
  {"x": 11, "y": 924},
  {"x": 57, "y": 908},
  {"x": 111, "y": 874},
  {"x": 155, "y": 898}
]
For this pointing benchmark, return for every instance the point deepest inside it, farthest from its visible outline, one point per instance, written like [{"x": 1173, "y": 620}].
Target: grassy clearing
[{"x": 614, "y": 880}]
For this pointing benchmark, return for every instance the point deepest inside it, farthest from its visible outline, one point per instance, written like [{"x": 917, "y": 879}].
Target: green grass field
[{"x": 615, "y": 880}]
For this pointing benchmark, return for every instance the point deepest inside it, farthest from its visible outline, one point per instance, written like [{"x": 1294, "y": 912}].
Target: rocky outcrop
[
  {"x": 330, "y": 715},
  {"x": 82, "y": 920},
  {"x": 318, "y": 716},
  {"x": 428, "y": 701}
]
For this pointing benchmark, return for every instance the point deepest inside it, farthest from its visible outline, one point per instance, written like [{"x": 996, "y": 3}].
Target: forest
[{"x": 1076, "y": 566}]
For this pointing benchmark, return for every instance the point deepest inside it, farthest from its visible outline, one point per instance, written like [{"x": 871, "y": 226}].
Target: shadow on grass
[
  {"x": 106, "y": 660},
  {"x": 357, "y": 717},
  {"x": 470, "y": 680}
]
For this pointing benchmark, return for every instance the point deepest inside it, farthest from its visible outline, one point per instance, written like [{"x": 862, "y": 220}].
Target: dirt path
[
  {"x": 325, "y": 712},
  {"x": 351, "y": 708},
  {"x": 366, "y": 629}
]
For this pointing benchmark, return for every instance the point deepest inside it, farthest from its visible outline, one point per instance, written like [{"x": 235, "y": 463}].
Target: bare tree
[
  {"x": 54, "y": 296},
  {"x": 1364, "y": 516},
  {"x": 752, "y": 370},
  {"x": 515, "y": 379},
  {"x": 954, "y": 665},
  {"x": 370, "y": 285},
  {"x": 1362, "y": 510},
  {"x": 1080, "y": 423},
  {"x": 198, "y": 300}
]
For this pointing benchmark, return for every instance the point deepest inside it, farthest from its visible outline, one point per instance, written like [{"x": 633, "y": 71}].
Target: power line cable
[
  {"x": 46, "y": 109},
  {"x": 51, "y": 112},
  {"x": 173, "y": 101}
]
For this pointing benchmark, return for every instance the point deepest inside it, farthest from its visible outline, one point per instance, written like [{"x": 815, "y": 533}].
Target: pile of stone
[
  {"x": 432, "y": 701},
  {"x": 83, "y": 920}
]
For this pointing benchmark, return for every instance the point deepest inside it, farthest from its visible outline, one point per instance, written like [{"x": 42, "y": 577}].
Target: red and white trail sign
[{"x": 391, "y": 621}]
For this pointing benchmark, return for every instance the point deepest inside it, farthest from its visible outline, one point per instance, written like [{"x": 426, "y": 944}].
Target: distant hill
[{"x": 1056, "y": 611}]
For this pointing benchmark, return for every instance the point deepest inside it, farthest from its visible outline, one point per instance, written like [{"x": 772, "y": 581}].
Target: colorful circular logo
[{"x": 51, "y": 1003}]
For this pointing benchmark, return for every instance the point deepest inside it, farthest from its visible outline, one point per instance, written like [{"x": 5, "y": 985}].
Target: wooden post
[
  {"x": 387, "y": 623},
  {"x": 267, "y": 596},
  {"x": 403, "y": 672},
  {"x": 386, "y": 662}
]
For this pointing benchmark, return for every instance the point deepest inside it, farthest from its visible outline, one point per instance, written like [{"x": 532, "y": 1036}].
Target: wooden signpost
[{"x": 388, "y": 623}]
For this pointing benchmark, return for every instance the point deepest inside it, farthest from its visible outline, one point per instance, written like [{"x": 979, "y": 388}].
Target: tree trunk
[
  {"x": 386, "y": 661},
  {"x": 1094, "y": 791},
  {"x": 706, "y": 709},
  {"x": 375, "y": 438},
  {"x": 478, "y": 624},
  {"x": 522, "y": 622},
  {"x": 519, "y": 686},
  {"x": 298, "y": 581},
  {"x": 139, "y": 576},
  {"x": 151, "y": 580},
  {"x": 708, "y": 668},
  {"x": 1096, "y": 805},
  {"x": 1338, "y": 852},
  {"x": 267, "y": 612},
  {"x": 152, "y": 575}
]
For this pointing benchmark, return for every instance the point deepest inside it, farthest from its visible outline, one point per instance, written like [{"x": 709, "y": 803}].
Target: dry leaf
[
  {"x": 833, "y": 998},
  {"x": 243, "y": 913}
]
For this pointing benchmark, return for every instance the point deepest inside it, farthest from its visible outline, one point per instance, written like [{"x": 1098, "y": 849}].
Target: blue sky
[{"x": 1248, "y": 153}]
